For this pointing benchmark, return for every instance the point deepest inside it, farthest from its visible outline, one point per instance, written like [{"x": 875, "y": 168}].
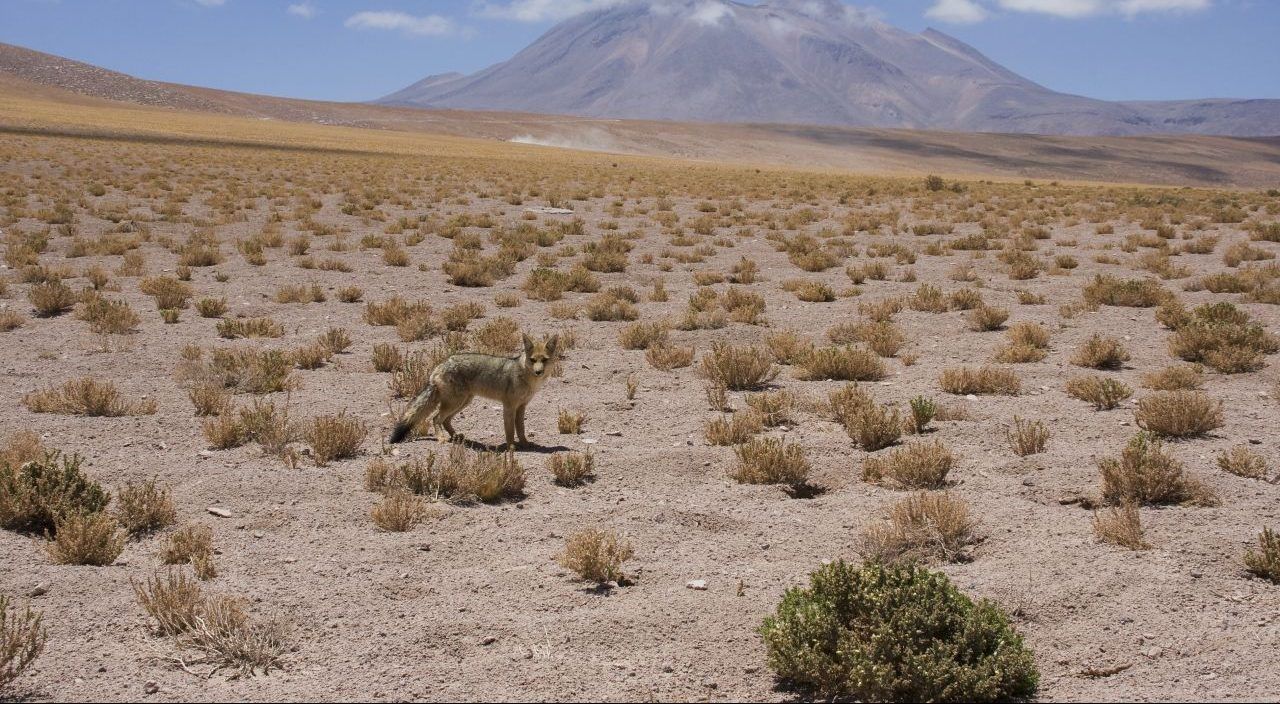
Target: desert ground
[{"x": 168, "y": 269}]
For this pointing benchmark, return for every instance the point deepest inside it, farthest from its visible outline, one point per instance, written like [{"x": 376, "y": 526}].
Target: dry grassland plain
[{"x": 1063, "y": 396}]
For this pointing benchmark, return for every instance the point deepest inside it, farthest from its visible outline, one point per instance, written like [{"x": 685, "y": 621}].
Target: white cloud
[
  {"x": 710, "y": 13},
  {"x": 428, "y": 25},
  {"x": 543, "y": 10},
  {"x": 957, "y": 11},
  {"x": 1076, "y": 9},
  {"x": 305, "y": 10},
  {"x": 971, "y": 11},
  {"x": 211, "y": 3}
]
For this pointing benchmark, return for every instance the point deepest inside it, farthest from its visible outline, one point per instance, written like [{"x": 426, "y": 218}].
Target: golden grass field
[{"x": 1060, "y": 395}]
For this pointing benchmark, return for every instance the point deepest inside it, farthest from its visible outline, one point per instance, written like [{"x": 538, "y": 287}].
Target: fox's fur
[{"x": 463, "y": 376}]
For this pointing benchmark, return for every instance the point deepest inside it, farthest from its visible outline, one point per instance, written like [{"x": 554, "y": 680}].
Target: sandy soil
[{"x": 472, "y": 605}]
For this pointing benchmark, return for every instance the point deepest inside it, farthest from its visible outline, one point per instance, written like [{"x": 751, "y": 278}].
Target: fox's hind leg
[
  {"x": 449, "y": 407},
  {"x": 422, "y": 406}
]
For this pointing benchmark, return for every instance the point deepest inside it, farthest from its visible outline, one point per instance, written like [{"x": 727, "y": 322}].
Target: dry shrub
[
  {"x": 920, "y": 528},
  {"x": 335, "y": 340},
  {"x": 247, "y": 370},
  {"x": 841, "y": 364},
  {"x": 334, "y": 437},
  {"x": 928, "y": 298},
  {"x": 1145, "y": 474},
  {"x": 814, "y": 292},
  {"x": 500, "y": 336},
  {"x": 86, "y": 539},
  {"x": 775, "y": 407},
  {"x": 665, "y": 356},
  {"x": 211, "y": 307},
  {"x": 570, "y": 422},
  {"x": 249, "y": 327},
  {"x": 642, "y": 336},
  {"x": 107, "y": 317},
  {"x": 11, "y": 320},
  {"x": 616, "y": 303},
  {"x": 300, "y": 293},
  {"x": 145, "y": 508},
  {"x": 19, "y": 448},
  {"x": 1099, "y": 352},
  {"x": 770, "y": 461},
  {"x": 596, "y": 555},
  {"x": 1266, "y": 562},
  {"x": 1136, "y": 293},
  {"x": 1120, "y": 525},
  {"x": 1224, "y": 338},
  {"x": 871, "y": 425},
  {"x": 1103, "y": 392},
  {"x": 964, "y": 299},
  {"x": 168, "y": 292},
  {"x": 787, "y": 346},
  {"x": 350, "y": 294},
  {"x": 311, "y": 356},
  {"x": 387, "y": 357},
  {"x": 224, "y": 431},
  {"x": 571, "y": 468},
  {"x": 86, "y": 397},
  {"x": 398, "y": 512},
  {"x": 1243, "y": 462},
  {"x": 920, "y": 465},
  {"x": 214, "y": 626},
  {"x": 1177, "y": 377},
  {"x": 394, "y": 311},
  {"x": 738, "y": 368},
  {"x": 986, "y": 318},
  {"x": 1179, "y": 414},
  {"x": 733, "y": 428},
  {"x": 193, "y": 544},
  {"x": 22, "y": 639},
  {"x": 1027, "y": 437},
  {"x": 980, "y": 380}
]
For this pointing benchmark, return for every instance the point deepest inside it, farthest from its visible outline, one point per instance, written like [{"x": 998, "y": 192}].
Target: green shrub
[
  {"x": 895, "y": 633},
  {"x": 35, "y": 495}
]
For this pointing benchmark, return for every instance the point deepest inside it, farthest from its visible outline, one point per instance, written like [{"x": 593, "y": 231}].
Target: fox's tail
[{"x": 423, "y": 405}]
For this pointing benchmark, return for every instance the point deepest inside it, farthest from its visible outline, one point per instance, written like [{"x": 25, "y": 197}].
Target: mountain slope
[{"x": 798, "y": 61}]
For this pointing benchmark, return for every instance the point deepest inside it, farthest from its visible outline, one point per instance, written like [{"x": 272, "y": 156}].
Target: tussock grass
[
  {"x": 1147, "y": 475},
  {"x": 920, "y": 465},
  {"x": 145, "y": 508},
  {"x": 923, "y": 527},
  {"x": 86, "y": 397},
  {"x": 1120, "y": 525},
  {"x": 22, "y": 640},
  {"x": 1179, "y": 414},
  {"x": 596, "y": 555},
  {"x": 738, "y": 368},
  {"x": 1103, "y": 392},
  {"x": 770, "y": 461},
  {"x": 571, "y": 469},
  {"x": 1101, "y": 352},
  {"x": 980, "y": 380}
]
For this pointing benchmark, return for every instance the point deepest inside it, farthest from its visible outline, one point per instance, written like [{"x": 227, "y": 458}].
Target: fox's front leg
[
  {"x": 509, "y": 424},
  {"x": 520, "y": 424}
]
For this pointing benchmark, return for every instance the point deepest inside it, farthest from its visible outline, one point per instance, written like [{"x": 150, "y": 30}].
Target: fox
[{"x": 463, "y": 376}]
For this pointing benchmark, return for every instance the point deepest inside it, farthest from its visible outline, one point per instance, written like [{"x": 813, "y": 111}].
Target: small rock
[
  {"x": 615, "y": 433},
  {"x": 1254, "y": 441},
  {"x": 150, "y": 687},
  {"x": 1196, "y": 575},
  {"x": 40, "y": 590},
  {"x": 698, "y": 584},
  {"x": 489, "y": 640},
  {"x": 971, "y": 397},
  {"x": 589, "y": 441},
  {"x": 258, "y": 534},
  {"x": 219, "y": 512}
]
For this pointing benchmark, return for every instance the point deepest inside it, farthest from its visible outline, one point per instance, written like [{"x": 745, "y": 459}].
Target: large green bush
[
  {"x": 35, "y": 495},
  {"x": 895, "y": 633}
]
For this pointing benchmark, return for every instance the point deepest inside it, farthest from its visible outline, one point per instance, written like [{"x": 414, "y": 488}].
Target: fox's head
[{"x": 540, "y": 354}]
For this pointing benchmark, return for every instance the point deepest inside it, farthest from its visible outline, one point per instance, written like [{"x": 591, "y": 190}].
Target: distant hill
[{"x": 814, "y": 62}]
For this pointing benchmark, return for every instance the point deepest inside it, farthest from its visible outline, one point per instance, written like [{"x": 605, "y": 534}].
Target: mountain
[{"x": 814, "y": 62}]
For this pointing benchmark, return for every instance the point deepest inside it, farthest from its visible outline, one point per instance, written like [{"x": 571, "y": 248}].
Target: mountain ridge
[{"x": 799, "y": 62}]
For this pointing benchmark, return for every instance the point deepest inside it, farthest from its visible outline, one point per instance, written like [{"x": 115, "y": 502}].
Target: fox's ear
[
  {"x": 528, "y": 343},
  {"x": 553, "y": 344}
]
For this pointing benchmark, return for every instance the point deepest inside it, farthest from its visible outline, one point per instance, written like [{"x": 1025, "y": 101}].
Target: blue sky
[{"x": 362, "y": 49}]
